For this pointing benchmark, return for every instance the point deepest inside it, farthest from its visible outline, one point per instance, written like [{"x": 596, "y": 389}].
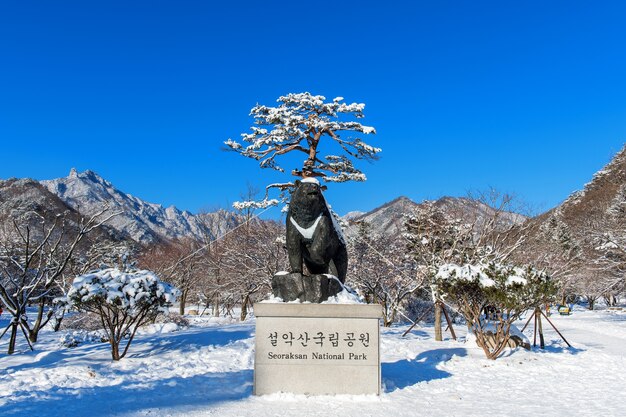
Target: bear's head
[{"x": 307, "y": 201}]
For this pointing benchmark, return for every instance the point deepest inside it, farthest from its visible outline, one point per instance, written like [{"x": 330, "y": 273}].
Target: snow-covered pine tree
[
  {"x": 122, "y": 300},
  {"x": 512, "y": 290},
  {"x": 300, "y": 123}
]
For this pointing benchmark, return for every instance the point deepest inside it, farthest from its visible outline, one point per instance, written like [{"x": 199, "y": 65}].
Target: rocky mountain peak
[{"x": 87, "y": 192}]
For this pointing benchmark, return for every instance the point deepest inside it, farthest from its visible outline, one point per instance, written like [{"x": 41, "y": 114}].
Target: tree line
[{"x": 228, "y": 271}]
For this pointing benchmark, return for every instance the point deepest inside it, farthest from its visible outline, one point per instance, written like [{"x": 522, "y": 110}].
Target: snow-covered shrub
[
  {"x": 177, "y": 319},
  {"x": 122, "y": 300},
  {"x": 77, "y": 337},
  {"x": 505, "y": 290},
  {"x": 81, "y": 321}
]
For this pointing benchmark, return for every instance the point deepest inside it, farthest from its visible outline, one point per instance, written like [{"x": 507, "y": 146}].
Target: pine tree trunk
[
  {"x": 483, "y": 343},
  {"x": 438, "y": 332},
  {"x": 115, "y": 349},
  {"x": 57, "y": 324},
  {"x": 12, "y": 339},
  {"x": 33, "y": 334},
  {"x": 499, "y": 344}
]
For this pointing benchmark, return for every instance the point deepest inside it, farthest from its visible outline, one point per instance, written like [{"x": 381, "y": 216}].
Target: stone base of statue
[
  {"x": 317, "y": 349},
  {"x": 306, "y": 288}
]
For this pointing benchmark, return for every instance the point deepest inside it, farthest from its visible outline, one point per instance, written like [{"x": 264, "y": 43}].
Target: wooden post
[
  {"x": 535, "y": 330},
  {"x": 445, "y": 313},
  {"x": 415, "y": 323},
  {"x": 557, "y": 330},
  {"x": 438, "y": 335},
  {"x": 542, "y": 344}
]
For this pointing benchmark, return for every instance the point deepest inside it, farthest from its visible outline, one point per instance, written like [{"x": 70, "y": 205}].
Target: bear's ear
[{"x": 323, "y": 187}]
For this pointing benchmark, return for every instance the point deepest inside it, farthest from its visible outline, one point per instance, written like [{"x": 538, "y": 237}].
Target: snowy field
[{"x": 206, "y": 370}]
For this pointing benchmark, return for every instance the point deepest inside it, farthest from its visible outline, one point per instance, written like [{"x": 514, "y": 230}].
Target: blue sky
[{"x": 527, "y": 97}]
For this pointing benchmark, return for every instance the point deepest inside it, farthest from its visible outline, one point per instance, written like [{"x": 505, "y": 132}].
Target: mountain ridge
[
  {"x": 145, "y": 222},
  {"x": 587, "y": 229}
]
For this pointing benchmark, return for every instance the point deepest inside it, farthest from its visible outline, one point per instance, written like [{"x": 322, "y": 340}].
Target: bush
[
  {"x": 122, "y": 301},
  {"x": 75, "y": 338},
  {"x": 81, "y": 321},
  {"x": 177, "y": 319},
  {"x": 507, "y": 290}
]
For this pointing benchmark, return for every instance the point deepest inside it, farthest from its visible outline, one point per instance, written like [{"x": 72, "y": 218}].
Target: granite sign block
[{"x": 317, "y": 348}]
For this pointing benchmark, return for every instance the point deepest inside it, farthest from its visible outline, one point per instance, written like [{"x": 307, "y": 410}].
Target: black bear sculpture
[
  {"x": 313, "y": 239},
  {"x": 311, "y": 233}
]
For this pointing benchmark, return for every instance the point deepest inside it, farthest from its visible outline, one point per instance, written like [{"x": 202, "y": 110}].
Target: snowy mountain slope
[
  {"x": 388, "y": 219},
  {"x": 28, "y": 203},
  {"x": 604, "y": 196},
  {"x": 19, "y": 196},
  {"x": 207, "y": 370},
  {"x": 590, "y": 223},
  {"x": 144, "y": 222}
]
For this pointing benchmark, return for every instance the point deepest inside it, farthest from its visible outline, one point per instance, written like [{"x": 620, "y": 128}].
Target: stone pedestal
[{"x": 317, "y": 349}]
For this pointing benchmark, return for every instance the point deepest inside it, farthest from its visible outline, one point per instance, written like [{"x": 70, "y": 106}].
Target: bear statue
[
  {"x": 311, "y": 233},
  {"x": 313, "y": 238}
]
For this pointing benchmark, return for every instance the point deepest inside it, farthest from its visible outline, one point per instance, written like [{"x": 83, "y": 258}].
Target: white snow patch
[
  {"x": 311, "y": 180},
  {"x": 466, "y": 272},
  {"x": 207, "y": 369}
]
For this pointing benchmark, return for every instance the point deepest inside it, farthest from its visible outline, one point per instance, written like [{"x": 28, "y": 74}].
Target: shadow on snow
[
  {"x": 133, "y": 395},
  {"x": 189, "y": 340},
  {"x": 193, "y": 392},
  {"x": 142, "y": 346},
  {"x": 404, "y": 373}
]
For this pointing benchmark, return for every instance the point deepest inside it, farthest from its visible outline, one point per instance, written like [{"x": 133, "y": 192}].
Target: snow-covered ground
[{"x": 206, "y": 370}]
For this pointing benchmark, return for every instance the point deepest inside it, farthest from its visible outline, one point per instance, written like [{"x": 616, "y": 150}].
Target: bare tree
[
  {"x": 582, "y": 241},
  {"x": 253, "y": 254},
  {"x": 605, "y": 252},
  {"x": 585, "y": 252},
  {"x": 178, "y": 262},
  {"x": 33, "y": 257},
  {"x": 381, "y": 272}
]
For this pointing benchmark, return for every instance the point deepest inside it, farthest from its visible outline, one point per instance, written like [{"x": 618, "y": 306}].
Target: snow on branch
[
  {"x": 132, "y": 291},
  {"x": 245, "y": 205},
  {"x": 266, "y": 202}
]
